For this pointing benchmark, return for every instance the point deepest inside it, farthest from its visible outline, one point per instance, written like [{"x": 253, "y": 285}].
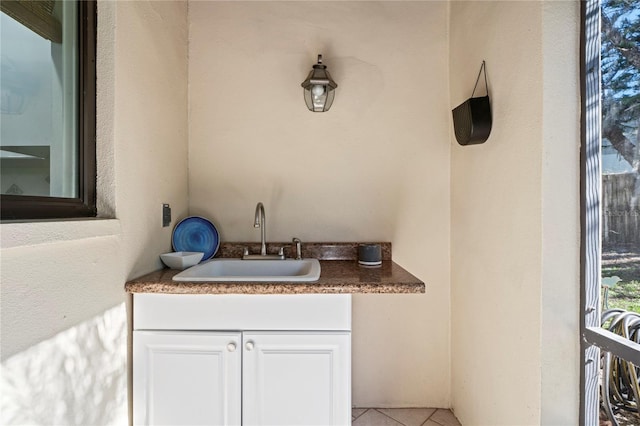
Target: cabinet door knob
[
  {"x": 249, "y": 345},
  {"x": 231, "y": 347}
]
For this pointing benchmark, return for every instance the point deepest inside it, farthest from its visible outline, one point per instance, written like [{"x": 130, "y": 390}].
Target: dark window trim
[{"x": 18, "y": 207}]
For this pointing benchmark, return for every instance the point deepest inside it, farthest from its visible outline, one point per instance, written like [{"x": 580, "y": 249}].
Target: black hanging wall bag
[{"x": 472, "y": 118}]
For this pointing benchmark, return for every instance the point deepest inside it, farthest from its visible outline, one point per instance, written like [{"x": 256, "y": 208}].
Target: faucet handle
[{"x": 298, "y": 245}]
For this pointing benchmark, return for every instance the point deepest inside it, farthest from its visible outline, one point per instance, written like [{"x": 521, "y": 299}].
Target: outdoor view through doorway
[{"x": 620, "y": 155}]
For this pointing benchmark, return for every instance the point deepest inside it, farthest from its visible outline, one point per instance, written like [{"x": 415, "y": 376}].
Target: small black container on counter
[{"x": 370, "y": 254}]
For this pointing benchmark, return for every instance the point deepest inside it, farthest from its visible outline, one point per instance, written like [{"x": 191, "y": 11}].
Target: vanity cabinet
[
  {"x": 186, "y": 378},
  {"x": 296, "y": 378},
  {"x": 242, "y": 359}
]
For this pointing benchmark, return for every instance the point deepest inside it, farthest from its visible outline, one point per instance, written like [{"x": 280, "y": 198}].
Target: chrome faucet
[
  {"x": 261, "y": 222},
  {"x": 298, "y": 245}
]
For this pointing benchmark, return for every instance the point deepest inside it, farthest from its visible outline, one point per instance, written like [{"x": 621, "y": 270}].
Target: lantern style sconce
[{"x": 319, "y": 88}]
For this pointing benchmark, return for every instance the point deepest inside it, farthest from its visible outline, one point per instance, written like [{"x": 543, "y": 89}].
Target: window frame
[
  {"x": 593, "y": 338},
  {"x": 25, "y": 207}
]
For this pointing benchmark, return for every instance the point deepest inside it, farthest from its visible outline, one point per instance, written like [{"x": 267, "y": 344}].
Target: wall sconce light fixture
[{"x": 319, "y": 88}]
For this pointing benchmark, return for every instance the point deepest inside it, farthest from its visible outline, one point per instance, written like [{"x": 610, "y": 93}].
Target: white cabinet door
[
  {"x": 187, "y": 378},
  {"x": 296, "y": 378}
]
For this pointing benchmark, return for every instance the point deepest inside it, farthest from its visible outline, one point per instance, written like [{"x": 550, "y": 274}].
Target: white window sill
[{"x": 18, "y": 234}]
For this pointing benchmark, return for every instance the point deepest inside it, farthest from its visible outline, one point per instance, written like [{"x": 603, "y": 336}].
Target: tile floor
[{"x": 403, "y": 417}]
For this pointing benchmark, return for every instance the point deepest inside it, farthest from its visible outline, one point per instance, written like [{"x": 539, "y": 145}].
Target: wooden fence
[{"x": 621, "y": 219}]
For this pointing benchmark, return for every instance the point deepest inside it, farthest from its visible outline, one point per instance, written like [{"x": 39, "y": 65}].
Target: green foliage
[
  {"x": 620, "y": 70},
  {"x": 625, "y": 295},
  {"x": 621, "y": 274}
]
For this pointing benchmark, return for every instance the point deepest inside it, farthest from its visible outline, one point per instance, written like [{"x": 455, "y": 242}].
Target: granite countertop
[{"x": 340, "y": 274}]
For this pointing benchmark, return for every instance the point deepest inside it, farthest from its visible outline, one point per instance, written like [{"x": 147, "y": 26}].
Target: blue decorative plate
[{"x": 196, "y": 233}]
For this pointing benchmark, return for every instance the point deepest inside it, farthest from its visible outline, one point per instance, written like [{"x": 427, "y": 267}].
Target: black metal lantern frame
[{"x": 319, "y": 88}]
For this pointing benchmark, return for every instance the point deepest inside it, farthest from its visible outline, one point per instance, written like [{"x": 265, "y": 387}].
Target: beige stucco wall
[
  {"x": 515, "y": 216},
  {"x": 559, "y": 343},
  {"x": 496, "y": 211},
  {"x": 381, "y": 165},
  {"x": 62, "y": 280},
  {"x": 375, "y": 167}
]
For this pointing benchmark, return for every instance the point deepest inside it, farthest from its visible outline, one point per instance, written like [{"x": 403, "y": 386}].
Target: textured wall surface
[
  {"x": 381, "y": 165},
  {"x": 560, "y": 328},
  {"x": 496, "y": 191},
  {"x": 78, "y": 377},
  {"x": 62, "y": 280},
  {"x": 515, "y": 216},
  {"x": 375, "y": 167}
]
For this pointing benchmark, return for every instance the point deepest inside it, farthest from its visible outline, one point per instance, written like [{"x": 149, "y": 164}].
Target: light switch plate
[{"x": 166, "y": 215}]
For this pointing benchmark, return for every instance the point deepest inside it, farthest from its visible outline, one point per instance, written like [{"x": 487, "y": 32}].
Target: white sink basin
[{"x": 288, "y": 270}]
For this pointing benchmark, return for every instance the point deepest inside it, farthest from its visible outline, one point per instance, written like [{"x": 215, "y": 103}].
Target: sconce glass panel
[{"x": 319, "y": 88}]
